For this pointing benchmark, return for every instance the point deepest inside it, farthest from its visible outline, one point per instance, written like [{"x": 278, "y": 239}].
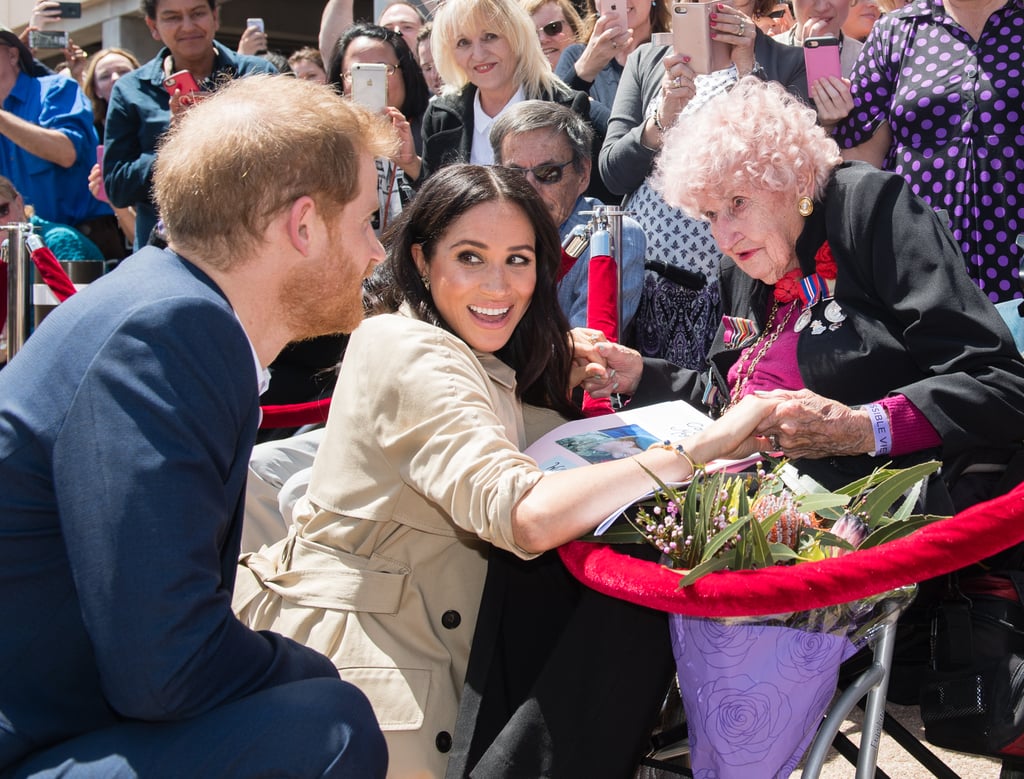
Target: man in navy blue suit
[{"x": 126, "y": 424}]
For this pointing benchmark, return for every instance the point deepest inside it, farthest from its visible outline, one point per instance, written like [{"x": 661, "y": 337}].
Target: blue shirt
[
  {"x": 138, "y": 115},
  {"x": 57, "y": 194},
  {"x": 572, "y": 289}
]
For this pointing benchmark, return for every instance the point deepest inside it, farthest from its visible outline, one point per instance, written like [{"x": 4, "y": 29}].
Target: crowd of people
[{"x": 814, "y": 265}]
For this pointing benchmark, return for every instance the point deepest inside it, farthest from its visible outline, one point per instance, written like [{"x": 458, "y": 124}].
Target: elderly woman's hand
[
  {"x": 832, "y": 99},
  {"x": 604, "y": 367},
  {"x": 805, "y": 424},
  {"x": 730, "y": 25},
  {"x": 610, "y": 38}
]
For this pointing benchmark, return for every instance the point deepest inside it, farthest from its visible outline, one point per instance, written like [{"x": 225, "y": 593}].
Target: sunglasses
[
  {"x": 777, "y": 14},
  {"x": 548, "y": 173},
  {"x": 551, "y": 29}
]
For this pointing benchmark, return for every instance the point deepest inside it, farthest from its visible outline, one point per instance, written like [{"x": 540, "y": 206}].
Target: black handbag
[{"x": 972, "y": 699}]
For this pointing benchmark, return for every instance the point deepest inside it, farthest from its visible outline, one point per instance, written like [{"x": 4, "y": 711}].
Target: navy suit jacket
[{"x": 126, "y": 424}]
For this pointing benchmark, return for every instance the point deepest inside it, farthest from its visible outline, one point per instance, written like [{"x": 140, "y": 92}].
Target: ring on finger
[
  {"x": 742, "y": 29},
  {"x": 773, "y": 441},
  {"x": 677, "y": 82}
]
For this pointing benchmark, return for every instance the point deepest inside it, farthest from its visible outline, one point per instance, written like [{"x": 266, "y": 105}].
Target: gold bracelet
[
  {"x": 657, "y": 121},
  {"x": 679, "y": 450}
]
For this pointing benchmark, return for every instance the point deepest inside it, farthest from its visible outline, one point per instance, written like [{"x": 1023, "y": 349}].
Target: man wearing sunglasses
[{"x": 551, "y": 145}]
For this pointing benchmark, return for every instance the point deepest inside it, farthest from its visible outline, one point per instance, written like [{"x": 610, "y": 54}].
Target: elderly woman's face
[{"x": 757, "y": 229}]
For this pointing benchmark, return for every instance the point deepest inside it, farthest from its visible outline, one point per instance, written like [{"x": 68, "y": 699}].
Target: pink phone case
[
  {"x": 102, "y": 194},
  {"x": 691, "y": 35},
  {"x": 821, "y": 57}
]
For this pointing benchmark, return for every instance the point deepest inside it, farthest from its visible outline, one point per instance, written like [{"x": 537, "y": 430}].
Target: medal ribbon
[{"x": 811, "y": 289}]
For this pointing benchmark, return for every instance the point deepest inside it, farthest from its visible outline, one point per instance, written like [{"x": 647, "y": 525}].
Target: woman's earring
[
  {"x": 426, "y": 283},
  {"x": 805, "y": 206}
]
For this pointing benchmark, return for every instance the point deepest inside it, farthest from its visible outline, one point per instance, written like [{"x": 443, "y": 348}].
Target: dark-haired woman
[
  {"x": 407, "y": 95},
  {"x": 385, "y": 563}
]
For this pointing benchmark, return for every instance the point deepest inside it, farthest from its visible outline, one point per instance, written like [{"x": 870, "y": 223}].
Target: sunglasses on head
[
  {"x": 548, "y": 173},
  {"x": 551, "y": 29}
]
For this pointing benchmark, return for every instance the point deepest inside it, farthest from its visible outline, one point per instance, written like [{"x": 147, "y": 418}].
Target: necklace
[{"x": 758, "y": 349}]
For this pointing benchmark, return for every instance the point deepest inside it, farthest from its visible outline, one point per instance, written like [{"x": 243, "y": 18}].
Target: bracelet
[
  {"x": 679, "y": 450},
  {"x": 880, "y": 429},
  {"x": 657, "y": 121}
]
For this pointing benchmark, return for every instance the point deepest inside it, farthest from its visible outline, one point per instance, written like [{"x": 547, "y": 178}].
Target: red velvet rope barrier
[
  {"x": 295, "y": 414},
  {"x": 602, "y": 314},
  {"x": 49, "y": 269},
  {"x": 944, "y": 546}
]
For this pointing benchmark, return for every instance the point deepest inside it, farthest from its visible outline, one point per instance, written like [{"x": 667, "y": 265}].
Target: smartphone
[
  {"x": 691, "y": 35},
  {"x": 101, "y": 194},
  {"x": 612, "y": 8},
  {"x": 370, "y": 85},
  {"x": 47, "y": 39},
  {"x": 255, "y": 22},
  {"x": 181, "y": 81},
  {"x": 821, "y": 56},
  {"x": 70, "y": 10}
]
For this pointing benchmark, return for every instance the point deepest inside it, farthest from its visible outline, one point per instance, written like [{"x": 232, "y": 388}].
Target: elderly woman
[{"x": 845, "y": 296}]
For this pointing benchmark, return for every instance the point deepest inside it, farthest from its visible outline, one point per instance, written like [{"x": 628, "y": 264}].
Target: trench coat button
[
  {"x": 451, "y": 619},
  {"x": 443, "y": 741}
]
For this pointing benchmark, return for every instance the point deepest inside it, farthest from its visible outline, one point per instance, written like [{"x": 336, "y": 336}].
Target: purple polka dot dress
[{"x": 956, "y": 108}]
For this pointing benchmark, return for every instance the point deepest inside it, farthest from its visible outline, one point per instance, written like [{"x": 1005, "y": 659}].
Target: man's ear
[
  {"x": 585, "y": 169},
  {"x": 302, "y": 219},
  {"x": 151, "y": 24}
]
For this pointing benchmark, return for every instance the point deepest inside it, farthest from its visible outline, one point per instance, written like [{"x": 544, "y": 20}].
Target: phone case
[
  {"x": 691, "y": 35},
  {"x": 70, "y": 10},
  {"x": 821, "y": 57},
  {"x": 102, "y": 193},
  {"x": 181, "y": 81},
  {"x": 47, "y": 39},
  {"x": 255, "y": 22},
  {"x": 370, "y": 85}
]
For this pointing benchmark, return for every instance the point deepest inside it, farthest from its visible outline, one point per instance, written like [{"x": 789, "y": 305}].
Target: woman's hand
[
  {"x": 730, "y": 25},
  {"x": 77, "y": 59},
  {"x": 182, "y": 101},
  {"x": 253, "y": 41},
  {"x": 610, "y": 38},
  {"x": 96, "y": 184},
  {"x": 406, "y": 158},
  {"x": 806, "y": 424},
  {"x": 735, "y": 434},
  {"x": 44, "y": 12},
  {"x": 832, "y": 99},
  {"x": 605, "y": 367},
  {"x": 677, "y": 88}
]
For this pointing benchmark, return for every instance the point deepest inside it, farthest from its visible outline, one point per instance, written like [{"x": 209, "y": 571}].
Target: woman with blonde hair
[
  {"x": 104, "y": 69},
  {"x": 489, "y": 57}
]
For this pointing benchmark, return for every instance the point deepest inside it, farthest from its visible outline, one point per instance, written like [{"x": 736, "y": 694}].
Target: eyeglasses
[
  {"x": 391, "y": 70},
  {"x": 551, "y": 29},
  {"x": 548, "y": 173}
]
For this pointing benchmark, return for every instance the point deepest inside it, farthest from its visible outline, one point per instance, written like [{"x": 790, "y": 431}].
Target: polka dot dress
[{"x": 956, "y": 108}]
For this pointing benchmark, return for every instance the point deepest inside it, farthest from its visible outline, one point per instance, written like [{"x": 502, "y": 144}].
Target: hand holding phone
[
  {"x": 691, "y": 35},
  {"x": 821, "y": 57},
  {"x": 182, "y": 82},
  {"x": 255, "y": 22}
]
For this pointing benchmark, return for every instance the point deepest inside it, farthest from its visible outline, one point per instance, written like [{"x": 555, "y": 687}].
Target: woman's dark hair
[
  {"x": 149, "y": 7},
  {"x": 417, "y": 93},
  {"x": 539, "y": 349}
]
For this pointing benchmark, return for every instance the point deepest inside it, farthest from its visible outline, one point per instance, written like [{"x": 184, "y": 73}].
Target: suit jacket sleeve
[{"x": 152, "y": 535}]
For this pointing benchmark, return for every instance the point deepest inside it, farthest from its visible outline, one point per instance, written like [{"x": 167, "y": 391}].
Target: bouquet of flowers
[{"x": 756, "y": 689}]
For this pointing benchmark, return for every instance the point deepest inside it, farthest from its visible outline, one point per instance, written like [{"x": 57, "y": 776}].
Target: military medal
[{"x": 803, "y": 320}]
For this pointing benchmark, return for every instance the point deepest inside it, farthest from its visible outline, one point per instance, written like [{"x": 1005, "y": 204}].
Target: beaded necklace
[{"x": 758, "y": 349}]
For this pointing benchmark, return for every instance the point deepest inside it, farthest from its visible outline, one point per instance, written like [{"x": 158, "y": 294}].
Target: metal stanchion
[
  {"x": 610, "y": 218},
  {"x": 19, "y": 286}
]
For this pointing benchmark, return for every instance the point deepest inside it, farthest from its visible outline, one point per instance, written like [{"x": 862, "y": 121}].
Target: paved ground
[{"x": 896, "y": 762}]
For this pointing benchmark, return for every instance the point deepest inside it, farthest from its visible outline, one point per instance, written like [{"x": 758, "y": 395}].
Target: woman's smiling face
[
  {"x": 483, "y": 273},
  {"x": 487, "y": 59}
]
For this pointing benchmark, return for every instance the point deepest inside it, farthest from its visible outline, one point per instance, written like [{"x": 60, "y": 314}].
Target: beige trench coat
[{"x": 385, "y": 562}]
